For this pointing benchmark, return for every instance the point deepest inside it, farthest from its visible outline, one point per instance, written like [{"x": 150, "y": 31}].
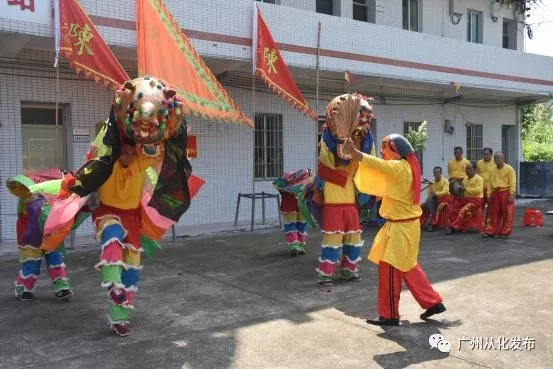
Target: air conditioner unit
[
  {"x": 455, "y": 7},
  {"x": 494, "y": 11}
]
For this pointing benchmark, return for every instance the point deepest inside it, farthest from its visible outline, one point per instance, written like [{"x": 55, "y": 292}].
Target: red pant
[
  {"x": 389, "y": 289},
  {"x": 499, "y": 218},
  {"x": 466, "y": 214},
  {"x": 439, "y": 218}
]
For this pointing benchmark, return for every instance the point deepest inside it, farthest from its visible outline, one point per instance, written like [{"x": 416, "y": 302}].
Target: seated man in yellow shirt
[
  {"x": 397, "y": 179},
  {"x": 439, "y": 190},
  {"x": 456, "y": 170},
  {"x": 466, "y": 212},
  {"x": 501, "y": 204}
]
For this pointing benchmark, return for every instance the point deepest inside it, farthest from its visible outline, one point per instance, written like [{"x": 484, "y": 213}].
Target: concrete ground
[{"x": 238, "y": 301}]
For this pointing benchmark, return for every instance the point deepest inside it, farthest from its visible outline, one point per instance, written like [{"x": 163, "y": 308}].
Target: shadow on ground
[{"x": 198, "y": 302}]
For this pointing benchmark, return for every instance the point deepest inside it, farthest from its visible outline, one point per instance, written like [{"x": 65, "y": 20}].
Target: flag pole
[
  {"x": 254, "y": 65},
  {"x": 317, "y": 67},
  {"x": 317, "y": 71},
  {"x": 56, "y": 149}
]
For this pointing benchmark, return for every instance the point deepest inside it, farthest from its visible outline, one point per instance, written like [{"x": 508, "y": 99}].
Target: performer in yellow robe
[
  {"x": 501, "y": 204},
  {"x": 396, "y": 178}
]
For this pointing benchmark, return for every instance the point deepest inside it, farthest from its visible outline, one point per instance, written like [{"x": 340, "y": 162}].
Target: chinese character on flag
[
  {"x": 270, "y": 67},
  {"x": 23, "y": 4}
]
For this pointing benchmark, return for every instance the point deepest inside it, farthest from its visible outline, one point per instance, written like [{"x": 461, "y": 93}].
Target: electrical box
[
  {"x": 456, "y": 7},
  {"x": 448, "y": 127}
]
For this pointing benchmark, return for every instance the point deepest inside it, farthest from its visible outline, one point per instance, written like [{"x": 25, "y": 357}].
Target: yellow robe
[
  {"x": 474, "y": 187},
  {"x": 504, "y": 178},
  {"x": 484, "y": 168},
  {"x": 456, "y": 169},
  {"x": 397, "y": 243}
]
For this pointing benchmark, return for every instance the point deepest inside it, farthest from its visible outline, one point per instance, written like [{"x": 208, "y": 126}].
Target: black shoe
[
  {"x": 383, "y": 321},
  {"x": 26, "y": 296},
  {"x": 450, "y": 231},
  {"x": 63, "y": 295},
  {"x": 301, "y": 252},
  {"x": 293, "y": 252},
  {"x": 436, "y": 309}
]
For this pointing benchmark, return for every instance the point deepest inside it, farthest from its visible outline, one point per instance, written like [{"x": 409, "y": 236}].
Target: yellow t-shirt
[
  {"x": 484, "y": 168},
  {"x": 123, "y": 189},
  {"x": 456, "y": 169},
  {"x": 474, "y": 187},
  {"x": 440, "y": 188},
  {"x": 397, "y": 243},
  {"x": 504, "y": 178}
]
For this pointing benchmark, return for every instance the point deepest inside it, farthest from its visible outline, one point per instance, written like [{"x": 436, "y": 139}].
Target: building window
[
  {"x": 38, "y": 134},
  {"x": 414, "y": 125},
  {"x": 269, "y": 1},
  {"x": 268, "y": 146},
  {"x": 412, "y": 15},
  {"x": 509, "y": 34},
  {"x": 474, "y": 141},
  {"x": 330, "y": 7},
  {"x": 364, "y": 10},
  {"x": 474, "y": 21}
]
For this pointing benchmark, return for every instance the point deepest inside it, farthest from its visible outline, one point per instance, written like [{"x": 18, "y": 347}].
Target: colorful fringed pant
[
  {"x": 389, "y": 289},
  {"x": 118, "y": 232},
  {"x": 341, "y": 234},
  {"x": 30, "y": 258},
  {"x": 295, "y": 229},
  {"x": 499, "y": 218}
]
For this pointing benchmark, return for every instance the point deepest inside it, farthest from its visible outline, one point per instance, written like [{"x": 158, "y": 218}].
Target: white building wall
[
  {"x": 396, "y": 51},
  {"x": 224, "y": 150}
]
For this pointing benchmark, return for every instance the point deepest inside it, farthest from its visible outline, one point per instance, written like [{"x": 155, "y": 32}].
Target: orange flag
[
  {"x": 83, "y": 46},
  {"x": 270, "y": 67},
  {"x": 165, "y": 52}
]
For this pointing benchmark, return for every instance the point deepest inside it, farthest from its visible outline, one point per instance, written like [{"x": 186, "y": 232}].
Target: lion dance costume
[
  {"x": 293, "y": 187},
  {"x": 340, "y": 223},
  {"x": 139, "y": 198},
  {"x": 37, "y": 191}
]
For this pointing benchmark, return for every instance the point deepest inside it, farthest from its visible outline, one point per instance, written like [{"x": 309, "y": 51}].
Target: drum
[{"x": 455, "y": 188}]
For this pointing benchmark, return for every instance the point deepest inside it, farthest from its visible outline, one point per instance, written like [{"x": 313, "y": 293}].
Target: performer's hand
[
  {"x": 349, "y": 148},
  {"x": 511, "y": 199}
]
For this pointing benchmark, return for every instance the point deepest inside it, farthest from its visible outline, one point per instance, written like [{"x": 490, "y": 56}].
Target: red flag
[
  {"x": 270, "y": 67},
  {"x": 85, "y": 49}
]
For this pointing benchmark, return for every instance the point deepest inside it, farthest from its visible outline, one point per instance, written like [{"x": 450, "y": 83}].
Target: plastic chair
[{"x": 532, "y": 217}]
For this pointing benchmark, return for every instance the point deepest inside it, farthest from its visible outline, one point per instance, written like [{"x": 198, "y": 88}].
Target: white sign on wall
[
  {"x": 36, "y": 11},
  {"x": 81, "y": 135}
]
